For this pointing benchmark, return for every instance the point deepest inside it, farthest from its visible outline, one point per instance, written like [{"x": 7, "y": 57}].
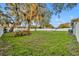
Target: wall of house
[
  {"x": 1, "y": 31},
  {"x": 76, "y": 30}
]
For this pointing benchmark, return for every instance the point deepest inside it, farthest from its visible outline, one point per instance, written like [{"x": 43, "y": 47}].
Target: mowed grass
[{"x": 41, "y": 43}]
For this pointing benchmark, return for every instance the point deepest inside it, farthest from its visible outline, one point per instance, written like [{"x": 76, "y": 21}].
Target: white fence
[
  {"x": 62, "y": 29},
  {"x": 20, "y": 29}
]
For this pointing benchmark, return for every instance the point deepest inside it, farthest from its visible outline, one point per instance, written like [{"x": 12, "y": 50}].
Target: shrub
[
  {"x": 5, "y": 30},
  {"x": 21, "y": 33},
  {"x": 70, "y": 31}
]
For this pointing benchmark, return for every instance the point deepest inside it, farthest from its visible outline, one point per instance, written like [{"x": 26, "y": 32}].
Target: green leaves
[{"x": 59, "y": 7}]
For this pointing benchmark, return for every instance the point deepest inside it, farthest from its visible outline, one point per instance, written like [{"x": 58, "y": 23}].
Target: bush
[
  {"x": 70, "y": 31},
  {"x": 21, "y": 33},
  {"x": 5, "y": 30}
]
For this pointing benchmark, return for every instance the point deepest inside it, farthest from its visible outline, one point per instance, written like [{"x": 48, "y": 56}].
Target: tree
[
  {"x": 13, "y": 11},
  {"x": 57, "y": 8},
  {"x": 29, "y": 14},
  {"x": 43, "y": 15},
  {"x": 4, "y": 21},
  {"x": 46, "y": 19},
  {"x": 38, "y": 12}
]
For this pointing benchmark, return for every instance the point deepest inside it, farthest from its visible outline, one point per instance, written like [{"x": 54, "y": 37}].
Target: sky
[{"x": 65, "y": 16}]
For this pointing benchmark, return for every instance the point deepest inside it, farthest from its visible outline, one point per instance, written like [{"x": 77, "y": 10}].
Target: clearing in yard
[{"x": 39, "y": 43}]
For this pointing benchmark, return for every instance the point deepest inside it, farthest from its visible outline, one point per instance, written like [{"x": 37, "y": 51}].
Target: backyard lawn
[{"x": 39, "y": 43}]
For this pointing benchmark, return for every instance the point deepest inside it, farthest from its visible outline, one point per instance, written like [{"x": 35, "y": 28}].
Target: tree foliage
[
  {"x": 37, "y": 12},
  {"x": 59, "y": 7}
]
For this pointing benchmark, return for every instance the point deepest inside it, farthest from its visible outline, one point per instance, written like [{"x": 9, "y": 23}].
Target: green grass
[{"x": 41, "y": 43}]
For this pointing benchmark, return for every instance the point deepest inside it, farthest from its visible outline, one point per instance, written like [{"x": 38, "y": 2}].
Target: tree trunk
[
  {"x": 29, "y": 25},
  {"x": 29, "y": 20},
  {"x": 12, "y": 28},
  {"x": 36, "y": 26}
]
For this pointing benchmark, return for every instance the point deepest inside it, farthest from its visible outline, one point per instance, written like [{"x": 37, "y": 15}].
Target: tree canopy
[{"x": 38, "y": 12}]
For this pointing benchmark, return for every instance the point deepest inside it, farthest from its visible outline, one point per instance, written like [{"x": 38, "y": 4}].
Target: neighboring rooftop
[
  {"x": 76, "y": 20},
  {"x": 65, "y": 25}
]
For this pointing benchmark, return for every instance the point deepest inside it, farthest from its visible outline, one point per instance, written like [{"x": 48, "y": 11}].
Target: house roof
[
  {"x": 65, "y": 25},
  {"x": 76, "y": 20}
]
